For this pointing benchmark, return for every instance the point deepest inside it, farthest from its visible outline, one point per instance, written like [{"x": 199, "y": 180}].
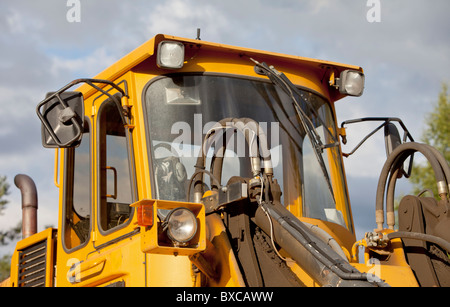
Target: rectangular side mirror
[
  {"x": 62, "y": 117},
  {"x": 391, "y": 138},
  {"x": 392, "y": 141}
]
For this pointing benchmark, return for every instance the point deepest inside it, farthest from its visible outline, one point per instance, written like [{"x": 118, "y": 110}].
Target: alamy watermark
[
  {"x": 252, "y": 135},
  {"x": 74, "y": 12},
  {"x": 73, "y": 274},
  {"x": 375, "y": 270},
  {"x": 374, "y": 13}
]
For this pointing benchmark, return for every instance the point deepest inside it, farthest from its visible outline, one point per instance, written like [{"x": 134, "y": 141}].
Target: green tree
[
  {"x": 4, "y": 190},
  {"x": 11, "y": 234},
  {"x": 5, "y": 260},
  {"x": 436, "y": 134},
  {"x": 5, "y": 267}
]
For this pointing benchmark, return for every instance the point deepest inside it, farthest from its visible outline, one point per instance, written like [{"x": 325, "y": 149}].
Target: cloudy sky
[{"x": 405, "y": 57}]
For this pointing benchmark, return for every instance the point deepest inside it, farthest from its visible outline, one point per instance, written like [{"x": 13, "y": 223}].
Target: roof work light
[
  {"x": 351, "y": 82},
  {"x": 170, "y": 55}
]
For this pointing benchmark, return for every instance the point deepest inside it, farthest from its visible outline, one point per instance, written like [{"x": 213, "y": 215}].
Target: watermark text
[
  {"x": 261, "y": 139},
  {"x": 225, "y": 296},
  {"x": 74, "y": 12},
  {"x": 374, "y": 13}
]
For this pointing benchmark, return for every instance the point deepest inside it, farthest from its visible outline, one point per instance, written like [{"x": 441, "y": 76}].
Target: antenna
[{"x": 198, "y": 34}]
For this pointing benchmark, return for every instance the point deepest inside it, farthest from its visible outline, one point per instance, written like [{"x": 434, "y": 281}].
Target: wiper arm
[{"x": 283, "y": 82}]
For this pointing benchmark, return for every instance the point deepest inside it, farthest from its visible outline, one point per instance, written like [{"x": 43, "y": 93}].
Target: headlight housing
[
  {"x": 351, "y": 82},
  {"x": 181, "y": 225},
  {"x": 171, "y": 227},
  {"x": 170, "y": 55}
]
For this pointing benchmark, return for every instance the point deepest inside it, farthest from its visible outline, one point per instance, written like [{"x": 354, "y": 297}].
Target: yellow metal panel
[
  {"x": 342, "y": 235},
  {"x": 221, "y": 255},
  {"x": 122, "y": 66},
  {"x": 253, "y": 52},
  {"x": 169, "y": 271},
  {"x": 121, "y": 261},
  {"x": 393, "y": 275},
  {"x": 149, "y": 237},
  {"x": 46, "y": 235},
  {"x": 287, "y": 63}
]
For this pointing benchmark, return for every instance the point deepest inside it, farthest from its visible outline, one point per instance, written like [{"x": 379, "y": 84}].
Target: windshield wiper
[{"x": 283, "y": 82}]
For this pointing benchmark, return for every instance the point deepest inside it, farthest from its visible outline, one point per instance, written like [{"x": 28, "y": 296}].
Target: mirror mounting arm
[
  {"x": 386, "y": 121},
  {"x": 56, "y": 113}
]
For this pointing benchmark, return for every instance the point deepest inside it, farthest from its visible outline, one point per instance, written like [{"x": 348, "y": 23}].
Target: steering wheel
[{"x": 170, "y": 175}]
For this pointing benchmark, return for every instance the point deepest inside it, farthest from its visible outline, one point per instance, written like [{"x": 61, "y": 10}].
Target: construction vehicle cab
[{"x": 189, "y": 163}]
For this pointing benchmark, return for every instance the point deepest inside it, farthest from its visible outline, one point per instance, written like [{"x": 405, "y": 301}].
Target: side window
[
  {"x": 114, "y": 169},
  {"x": 77, "y": 213}
]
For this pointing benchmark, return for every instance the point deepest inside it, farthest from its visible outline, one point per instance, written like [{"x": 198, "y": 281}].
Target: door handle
[
  {"x": 78, "y": 271},
  {"x": 113, "y": 196}
]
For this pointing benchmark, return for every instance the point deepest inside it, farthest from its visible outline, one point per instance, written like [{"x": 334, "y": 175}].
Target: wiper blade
[{"x": 283, "y": 82}]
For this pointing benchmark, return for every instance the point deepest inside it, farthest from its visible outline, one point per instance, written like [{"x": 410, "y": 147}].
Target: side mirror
[
  {"x": 62, "y": 113},
  {"x": 391, "y": 138},
  {"x": 62, "y": 117}
]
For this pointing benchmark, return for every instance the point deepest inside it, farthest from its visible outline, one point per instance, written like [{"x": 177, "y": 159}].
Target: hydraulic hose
[
  {"x": 443, "y": 162},
  {"x": 420, "y": 236},
  {"x": 394, "y": 162},
  {"x": 394, "y": 175},
  {"x": 328, "y": 239},
  {"x": 390, "y": 205},
  {"x": 319, "y": 260},
  {"x": 201, "y": 161},
  {"x": 256, "y": 142}
]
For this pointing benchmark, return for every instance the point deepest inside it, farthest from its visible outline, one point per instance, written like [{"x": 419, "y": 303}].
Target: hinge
[
  {"x": 126, "y": 109},
  {"x": 129, "y": 127},
  {"x": 343, "y": 134}
]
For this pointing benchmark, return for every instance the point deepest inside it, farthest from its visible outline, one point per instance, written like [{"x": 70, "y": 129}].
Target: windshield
[{"x": 182, "y": 109}]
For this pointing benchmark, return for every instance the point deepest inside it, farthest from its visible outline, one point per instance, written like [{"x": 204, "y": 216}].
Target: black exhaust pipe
[{"x": 29, "y": 204}]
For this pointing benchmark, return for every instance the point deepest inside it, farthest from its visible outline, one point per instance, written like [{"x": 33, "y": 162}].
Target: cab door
[
  {"x": 111, "y": 255},
  {"x": 117, "y": 258}
]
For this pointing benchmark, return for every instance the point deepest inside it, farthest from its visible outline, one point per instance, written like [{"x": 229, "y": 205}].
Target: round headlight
[{"x": 181, "y": 225}]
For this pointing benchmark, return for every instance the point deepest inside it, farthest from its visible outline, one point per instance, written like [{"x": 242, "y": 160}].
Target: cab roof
[{"x": 148, "y": 49}]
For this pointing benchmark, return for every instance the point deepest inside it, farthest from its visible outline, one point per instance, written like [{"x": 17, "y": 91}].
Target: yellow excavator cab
[{"x": 190, "y": 163}]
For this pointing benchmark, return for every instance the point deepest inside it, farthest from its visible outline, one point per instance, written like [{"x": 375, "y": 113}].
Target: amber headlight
[
  {"x": 181, "y": 225},
  {"x": 170, "y": 55}
]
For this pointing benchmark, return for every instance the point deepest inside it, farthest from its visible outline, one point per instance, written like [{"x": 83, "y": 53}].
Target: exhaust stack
[{"x": 29, "y": 204}]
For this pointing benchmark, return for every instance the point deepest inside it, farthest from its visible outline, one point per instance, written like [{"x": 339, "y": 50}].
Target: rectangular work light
[
  {"x": 351, "y": 82},
  {"x": 170, "y": 55}
]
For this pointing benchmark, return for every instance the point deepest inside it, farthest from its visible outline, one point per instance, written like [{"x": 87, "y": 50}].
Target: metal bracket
[{"x": 224, "y": 196}]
